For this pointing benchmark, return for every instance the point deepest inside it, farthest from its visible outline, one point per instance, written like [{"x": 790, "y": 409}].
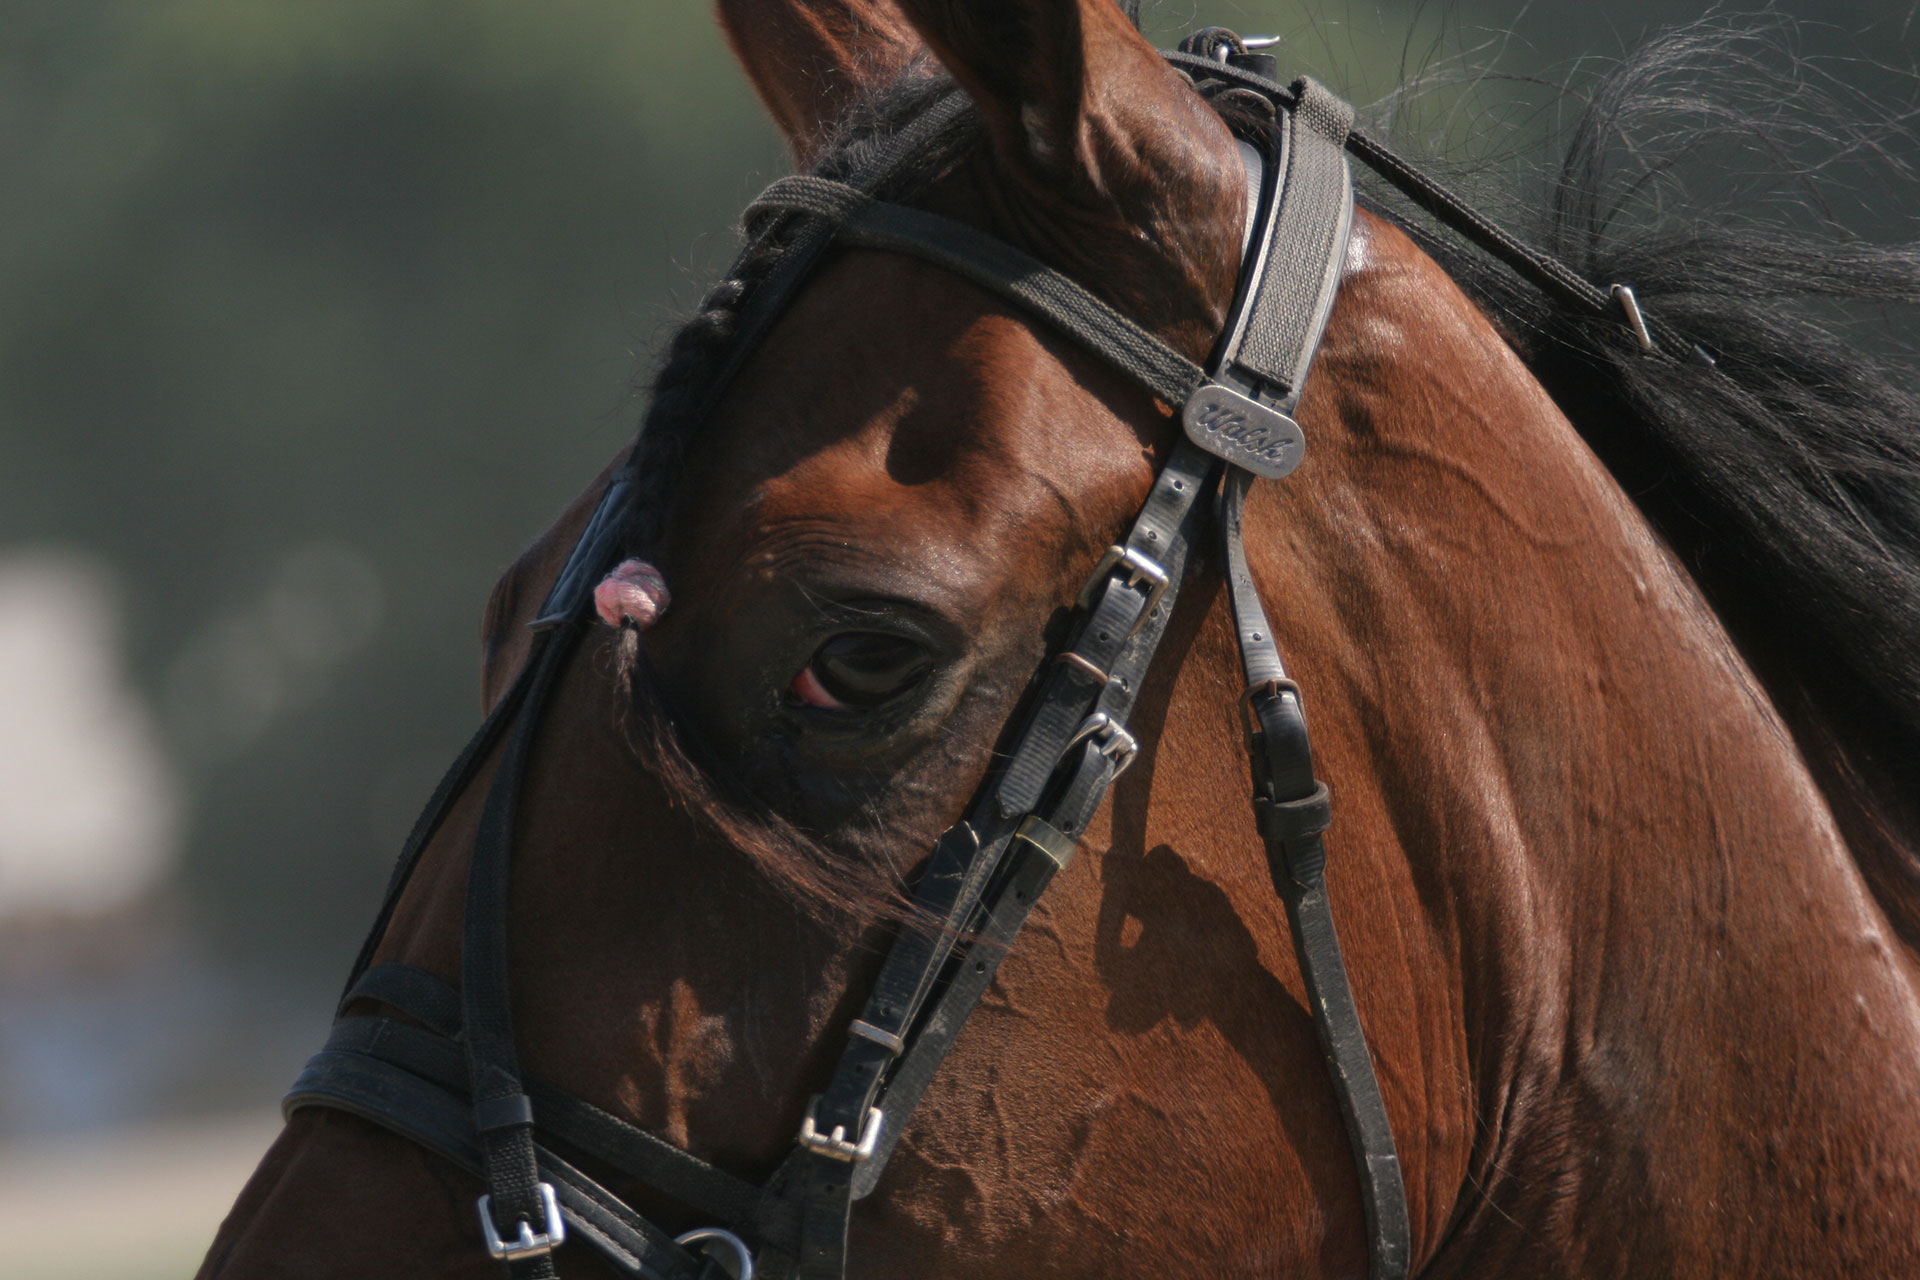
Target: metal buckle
[
  {"x": 1273, "y": 685},
  {"x": 742, "y": 1257},
  {"x": 1139, "y": 569},
  {"x": 1115, "y": 743},
  {"x": 530, "y": 1244},
  {"x": 835, "y": 1144}
]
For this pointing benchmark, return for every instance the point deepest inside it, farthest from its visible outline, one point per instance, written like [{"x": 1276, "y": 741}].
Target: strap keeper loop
[
  {"x": 511, "y": 1112},
  {"x": 1286, "y": 822}
]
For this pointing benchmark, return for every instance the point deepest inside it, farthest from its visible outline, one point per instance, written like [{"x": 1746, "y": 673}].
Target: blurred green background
[{"x": 311, "y": 316}]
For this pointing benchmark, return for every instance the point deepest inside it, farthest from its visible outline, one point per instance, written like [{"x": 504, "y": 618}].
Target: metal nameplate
[{"x": 1243, "y": 431}]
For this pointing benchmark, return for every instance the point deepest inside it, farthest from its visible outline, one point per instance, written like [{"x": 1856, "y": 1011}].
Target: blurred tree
[{"x": 311, "y": 315}]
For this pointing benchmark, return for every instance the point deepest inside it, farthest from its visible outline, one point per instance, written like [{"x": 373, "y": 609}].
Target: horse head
[{"x": 840, "y": 576}]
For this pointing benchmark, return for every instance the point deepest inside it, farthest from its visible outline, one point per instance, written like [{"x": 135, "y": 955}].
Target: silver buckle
[
  {"x": 740, "y": 1256},
  {"x": 1114, "y": 742},
  {"x": 835, "y": 1144},
  {"x": 530, "y": 1244},
  {"x": 1139, "y": 570}
]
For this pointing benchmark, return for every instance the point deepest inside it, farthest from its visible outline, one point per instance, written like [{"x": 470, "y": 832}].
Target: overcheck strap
[
  {"x": 1292, "y": 812},
  {"x": 1306, "y": 246}
]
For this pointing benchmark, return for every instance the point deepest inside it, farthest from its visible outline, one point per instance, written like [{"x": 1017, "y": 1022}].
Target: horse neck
[{"x": 1667, "y": 990}]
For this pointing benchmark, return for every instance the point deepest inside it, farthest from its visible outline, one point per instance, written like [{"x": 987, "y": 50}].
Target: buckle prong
[
  {"x": 1113, "y": 740},
  {"x": 531, "y": 1244},
  {"x": 836, "y": 1144}
]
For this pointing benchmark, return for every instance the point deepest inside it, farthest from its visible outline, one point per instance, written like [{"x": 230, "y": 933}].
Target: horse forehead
[{"x": 896, "y": 398}]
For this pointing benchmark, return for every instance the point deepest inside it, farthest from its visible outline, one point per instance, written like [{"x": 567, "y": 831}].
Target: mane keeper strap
[{"x": 1306, "y": 245}]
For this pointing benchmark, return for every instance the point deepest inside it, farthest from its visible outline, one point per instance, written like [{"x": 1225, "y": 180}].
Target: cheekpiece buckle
[
  {"x": 836, "y": 1144},
  {"x": 1110, "y": 738},
  {"x": 1139, "y": 569},
  {"x": 531, "y": 1244}
]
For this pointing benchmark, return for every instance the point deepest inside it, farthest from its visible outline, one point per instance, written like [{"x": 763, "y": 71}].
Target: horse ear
[
  {"x": 811, "y": 60},
  {"x": 1059, "y": 82},
  {"x": 1109, "y": 152}
]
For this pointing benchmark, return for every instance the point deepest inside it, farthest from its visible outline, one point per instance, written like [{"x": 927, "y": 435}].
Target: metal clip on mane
[{"x": 1623, "y": 294}]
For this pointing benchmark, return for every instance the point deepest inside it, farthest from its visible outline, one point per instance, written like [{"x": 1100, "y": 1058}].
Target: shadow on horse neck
[{"x": 1617, "y": 862}]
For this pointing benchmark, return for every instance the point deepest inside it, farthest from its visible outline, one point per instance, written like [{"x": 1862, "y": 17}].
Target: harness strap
[
  {"x": 515, "y": 1207},
  {"x": 993, "y": 264},
  {"x": 357, "y": 1073},
  {"x": 1541, "y": 270},
  {"x": 1292, "y": 811},
  {"x": 1306, "y": 246},
  {"x": 1014, "y": 855},
  {"x": 363, "y": 1054}
]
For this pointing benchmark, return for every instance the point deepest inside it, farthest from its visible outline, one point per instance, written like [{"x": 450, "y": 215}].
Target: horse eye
[{"x": 860, "y": 670}]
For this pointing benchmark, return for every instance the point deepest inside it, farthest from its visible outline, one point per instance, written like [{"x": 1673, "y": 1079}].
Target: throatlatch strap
[{"x": 1292, "y": 811}]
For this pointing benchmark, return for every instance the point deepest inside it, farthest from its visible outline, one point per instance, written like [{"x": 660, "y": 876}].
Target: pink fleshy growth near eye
[
  {"x": 634, "y": 592},
  {"x": 807, "y": 687}
]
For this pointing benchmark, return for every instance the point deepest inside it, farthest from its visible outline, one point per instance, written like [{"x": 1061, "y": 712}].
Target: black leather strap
[
  {"x": 1292, "y": 811},
  {"x": 502, "y": 1116}
]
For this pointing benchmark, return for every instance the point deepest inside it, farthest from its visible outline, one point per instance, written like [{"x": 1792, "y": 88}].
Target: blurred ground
[{"x": 139, "y": 1204}]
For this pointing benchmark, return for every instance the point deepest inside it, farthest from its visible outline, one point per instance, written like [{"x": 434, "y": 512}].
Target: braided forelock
[{"x": 701, "y": 353}]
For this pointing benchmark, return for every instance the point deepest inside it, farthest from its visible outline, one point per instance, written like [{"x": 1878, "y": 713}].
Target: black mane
[{"x": 1786, "y": 478}]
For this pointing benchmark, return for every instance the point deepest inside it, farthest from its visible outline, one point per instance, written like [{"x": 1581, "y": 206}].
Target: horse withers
[{"x": 1623, "y": 856}]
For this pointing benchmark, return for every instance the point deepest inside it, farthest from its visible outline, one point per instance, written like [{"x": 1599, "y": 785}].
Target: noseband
[{"x": 448, "y": 1076}]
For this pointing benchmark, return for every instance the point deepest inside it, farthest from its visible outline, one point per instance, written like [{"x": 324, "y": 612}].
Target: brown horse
[{"x": 1626, "y": 879}]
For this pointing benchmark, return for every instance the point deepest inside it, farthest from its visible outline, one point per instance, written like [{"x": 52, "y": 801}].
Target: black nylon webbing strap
[
  {"x": 419, "y": 993},
  {"x": 1543, "y": 271},
  {"x": 950, "y": 113},
  {"x": 995, "y": 265},
  {"x": 356, "y": 1073},
  {"x": 1292, "y": 812},
  {"x": 365, "y": 1049}
]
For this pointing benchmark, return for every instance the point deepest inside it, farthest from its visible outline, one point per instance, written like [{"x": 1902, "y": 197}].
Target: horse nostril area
[{"x": 634, "y": 592}]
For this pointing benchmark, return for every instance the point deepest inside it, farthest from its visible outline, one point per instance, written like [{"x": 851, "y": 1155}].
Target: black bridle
[{"x": 448, "y": 1076}]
